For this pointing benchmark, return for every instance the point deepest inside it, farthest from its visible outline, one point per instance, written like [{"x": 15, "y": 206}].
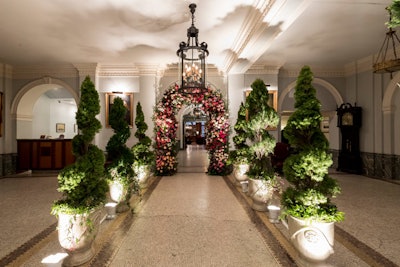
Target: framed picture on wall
[
  {"x": 60, "y": 127},
  {"x": 273, "y": 99},
  {"x": 127, "y": 98}
]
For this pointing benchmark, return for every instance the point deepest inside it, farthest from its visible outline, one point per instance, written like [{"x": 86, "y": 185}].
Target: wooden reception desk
[{"x": 44, "y": 154}]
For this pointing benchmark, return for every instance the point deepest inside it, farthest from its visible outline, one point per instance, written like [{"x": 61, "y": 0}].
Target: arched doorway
[
  {"x": 40, "y": 105},
  {"x": 192, "y": 156},
  {"x": 210, "y": 102}
]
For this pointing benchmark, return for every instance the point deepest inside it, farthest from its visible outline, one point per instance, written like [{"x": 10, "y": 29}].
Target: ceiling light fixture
[
  {"x": 385, "y": 64},
  {"x": 192, "y": 65}
]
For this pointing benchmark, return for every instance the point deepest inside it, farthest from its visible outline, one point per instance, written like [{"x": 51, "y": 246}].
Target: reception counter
[{"x": 44, "y": 154}]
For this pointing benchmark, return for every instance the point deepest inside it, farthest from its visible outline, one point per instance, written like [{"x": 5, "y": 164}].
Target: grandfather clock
[{"x": 349, "y": 122}]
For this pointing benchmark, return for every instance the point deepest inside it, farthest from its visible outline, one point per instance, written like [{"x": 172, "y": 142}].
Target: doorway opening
[{"x": 206, "y": 123}]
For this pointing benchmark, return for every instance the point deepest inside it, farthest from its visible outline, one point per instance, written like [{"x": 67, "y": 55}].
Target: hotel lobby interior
[{"x": 136, "y": 50}]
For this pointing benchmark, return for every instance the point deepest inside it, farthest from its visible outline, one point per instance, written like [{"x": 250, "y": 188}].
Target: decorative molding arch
[
  {"x": 387, "y": 106},
  {"x": 43, "y": 81},
  {"x": 388, "y": 110},
  {"x": 338, "y": 98}
]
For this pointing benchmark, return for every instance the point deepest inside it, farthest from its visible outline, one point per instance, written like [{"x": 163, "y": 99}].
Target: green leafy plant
[
  {"x": 260, "y": 117},
  {"x": 119, "y": 156},
  {"x": 143, "y": 155},
  {"x": 311, "y": 190},
  {"x": 241, "y": 154},
  {"x": 83, "y": 184},
  {"x": 394, "y": 9}
]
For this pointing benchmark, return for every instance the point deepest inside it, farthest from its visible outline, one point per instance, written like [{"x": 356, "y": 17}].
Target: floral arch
[{"x": 217, "y": 128}]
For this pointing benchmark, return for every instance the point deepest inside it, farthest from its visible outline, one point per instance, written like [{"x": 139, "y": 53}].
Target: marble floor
[{"x": 192, "y": 219}]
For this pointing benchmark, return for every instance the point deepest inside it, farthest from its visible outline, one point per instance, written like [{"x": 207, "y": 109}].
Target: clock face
[{"x": 347, "y": 119}]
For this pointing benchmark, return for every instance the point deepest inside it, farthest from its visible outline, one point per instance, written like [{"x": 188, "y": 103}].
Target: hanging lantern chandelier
[
  {"x": 384, "y": 63},
  {"x": 192, "y": 63}
]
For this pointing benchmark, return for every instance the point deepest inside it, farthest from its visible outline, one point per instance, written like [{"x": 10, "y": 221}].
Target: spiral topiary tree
[
  {"x": 241, "y": 154},
  {"x": 119, "y": 156},
  {"x": 83, "y": 184},
  {"x": 311, "y": 190},
  {"x": 143, "y": 155},
  {"x": 261, "y": 117}
]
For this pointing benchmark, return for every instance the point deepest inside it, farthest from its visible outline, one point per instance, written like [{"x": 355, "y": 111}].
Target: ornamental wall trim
[
  {"x": 37, "y": 71},
  {"x": 318, "y": 72}
]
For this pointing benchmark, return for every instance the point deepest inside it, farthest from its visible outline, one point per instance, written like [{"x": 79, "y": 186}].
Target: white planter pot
[
  {"x": 76, "y": 236},
  {"x": 313, "y": 240},
  {"x": 239, "y": 172},
  {"x": 260, "y": 192}
]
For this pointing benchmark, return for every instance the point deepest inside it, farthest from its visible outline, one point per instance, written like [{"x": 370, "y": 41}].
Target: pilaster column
[{"x": 388, "y": 130}]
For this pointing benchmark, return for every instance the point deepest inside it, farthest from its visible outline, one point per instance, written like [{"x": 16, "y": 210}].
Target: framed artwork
[
  {"x": 60, "y": 127},
  {"x": 273, "y": 99},
  {"x": 127, "y": 98}
]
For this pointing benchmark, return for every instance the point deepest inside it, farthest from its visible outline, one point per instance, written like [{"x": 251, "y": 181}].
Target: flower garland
[{"x": 166, "y": 125}]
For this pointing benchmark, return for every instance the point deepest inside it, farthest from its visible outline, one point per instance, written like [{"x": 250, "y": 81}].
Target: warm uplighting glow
[
  {"x": 192, "y": 74},
  {"x": 54, "y": 259},
  {"x": 117, "y": 191}
]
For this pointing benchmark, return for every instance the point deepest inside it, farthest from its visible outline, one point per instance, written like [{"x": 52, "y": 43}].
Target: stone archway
[{"x": 166, "y": 124}]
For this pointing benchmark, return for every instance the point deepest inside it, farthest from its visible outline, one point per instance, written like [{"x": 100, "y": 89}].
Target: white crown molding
[
  {"x": 318, "y": 72},
  {"x": 86, "y": 69},
  {"x": 6, "y": 71},
  {"x": 108, "y": 70},
  {"x": 37, "y": 71},
  {"x": 263, "y": 69},
  {"x": 250, "y": 26}
]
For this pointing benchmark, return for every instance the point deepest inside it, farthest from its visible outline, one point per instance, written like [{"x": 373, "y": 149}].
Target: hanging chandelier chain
[
  {"x": 192, "y": 59},
  {"x": 382, "y": 64}
]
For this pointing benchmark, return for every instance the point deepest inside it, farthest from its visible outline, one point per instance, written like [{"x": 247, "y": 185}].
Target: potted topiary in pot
[
  {"x": 240, "y": 156},
  {"x": 307, "y": 201},
  {"x": 144, "y": 157},
  {"x": 120, "y": 158},
  {"x": 82, "y": 184},
  {"x": 263, "y": 181}
]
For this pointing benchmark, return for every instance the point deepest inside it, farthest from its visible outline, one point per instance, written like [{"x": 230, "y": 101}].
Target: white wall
[
  {"x": 63, "y": 111},
  {"x": 46, "y": 113},
  {"x": 41, "y": 117}
]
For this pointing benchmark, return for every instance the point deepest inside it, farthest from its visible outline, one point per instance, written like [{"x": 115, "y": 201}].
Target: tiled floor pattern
[{"x": 192, "y": 219}]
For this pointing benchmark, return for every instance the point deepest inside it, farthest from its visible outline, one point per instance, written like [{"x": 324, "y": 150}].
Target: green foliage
[
  {"x": 116, "y": 147},
  {"x": 242, "y": 152},
  {"x": 120, "y": 157},
  {"x": 260, "y": 117},
  {"x": 311, "y": 190},
  {"x": 140, "y": 123},
  {"x": 121, "y": 170},
  {"x": 394, "y": 9},
  {"x": 88, "y": 108},
  {"x": 83, "y": 184},
  {"x": 143, "y": 155}
]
